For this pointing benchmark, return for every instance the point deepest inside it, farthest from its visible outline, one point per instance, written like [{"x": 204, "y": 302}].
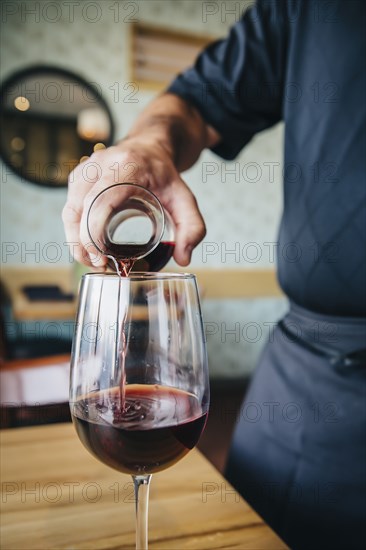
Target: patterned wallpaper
[{"x": 240, "y": 200}]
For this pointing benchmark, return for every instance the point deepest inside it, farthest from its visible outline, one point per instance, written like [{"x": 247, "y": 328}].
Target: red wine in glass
[{"x": 157, "y": 426}]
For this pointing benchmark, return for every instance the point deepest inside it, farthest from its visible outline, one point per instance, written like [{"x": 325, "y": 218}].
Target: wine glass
[{"x": 139, "y": 389}]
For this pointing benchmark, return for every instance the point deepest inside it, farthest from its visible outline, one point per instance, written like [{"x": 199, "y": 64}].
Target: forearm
[
  {"x": 176, "y": 126},
  {"x": 166, "y": 139}
]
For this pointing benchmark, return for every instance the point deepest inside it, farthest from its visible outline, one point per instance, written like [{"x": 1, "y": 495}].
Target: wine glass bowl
[{"x": 139, "y": 390}]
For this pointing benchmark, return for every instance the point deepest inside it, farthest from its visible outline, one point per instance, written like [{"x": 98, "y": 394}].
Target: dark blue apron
[{"x": 299, "y": 449}]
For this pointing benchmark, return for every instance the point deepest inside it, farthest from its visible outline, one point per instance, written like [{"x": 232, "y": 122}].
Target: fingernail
[{"x": 97, "y": 260}]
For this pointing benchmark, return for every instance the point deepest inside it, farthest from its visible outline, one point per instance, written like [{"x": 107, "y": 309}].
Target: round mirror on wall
[{"x": 51, "y": 119}]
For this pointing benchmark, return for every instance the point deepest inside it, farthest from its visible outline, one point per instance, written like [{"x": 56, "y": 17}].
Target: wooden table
[{"x": 56, "y": 495}]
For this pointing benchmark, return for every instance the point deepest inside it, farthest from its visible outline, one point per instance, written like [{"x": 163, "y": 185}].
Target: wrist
[{"x": 148, "y": 139}]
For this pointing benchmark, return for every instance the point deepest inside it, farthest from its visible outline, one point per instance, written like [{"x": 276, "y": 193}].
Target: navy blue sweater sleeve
[{"x": 237, "y": 83}]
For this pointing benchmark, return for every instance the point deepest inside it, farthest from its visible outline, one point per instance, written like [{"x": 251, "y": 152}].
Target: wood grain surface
[{"x": 56, "y": 495}]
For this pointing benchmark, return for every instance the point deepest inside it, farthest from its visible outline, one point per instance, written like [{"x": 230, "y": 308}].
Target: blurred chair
[
  {"x": 34, "y": 391},
  {"x": 19, "y": 340}
]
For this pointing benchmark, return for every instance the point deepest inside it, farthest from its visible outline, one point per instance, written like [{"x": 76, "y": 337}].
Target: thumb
[{"x": 189, "y": 224}]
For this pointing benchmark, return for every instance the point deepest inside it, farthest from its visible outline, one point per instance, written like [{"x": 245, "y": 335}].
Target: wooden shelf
[{"x": 158, "y": 54}]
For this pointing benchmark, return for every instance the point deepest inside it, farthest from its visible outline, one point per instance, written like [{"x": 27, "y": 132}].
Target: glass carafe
[{"x": 128, "y": 224}]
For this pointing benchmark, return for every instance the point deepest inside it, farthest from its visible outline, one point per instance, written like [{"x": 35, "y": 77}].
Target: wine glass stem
[{"x": 142, "y": 485}]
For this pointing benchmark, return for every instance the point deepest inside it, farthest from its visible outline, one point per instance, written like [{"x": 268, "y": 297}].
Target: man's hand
[
  {"x": 132, "y": 161},
  {"x": 168, "y": 136}
]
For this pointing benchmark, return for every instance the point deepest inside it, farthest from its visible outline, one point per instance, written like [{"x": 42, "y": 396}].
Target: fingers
[
  {"x": 71, "y": 220},
  {"x": 91, "y": 231},
  {"x": 81, "y": 183},
  {"x": 189, "y": 224}
]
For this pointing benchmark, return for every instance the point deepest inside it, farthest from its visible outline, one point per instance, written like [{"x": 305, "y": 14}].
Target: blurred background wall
[{"x": 240, "y": 200}]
